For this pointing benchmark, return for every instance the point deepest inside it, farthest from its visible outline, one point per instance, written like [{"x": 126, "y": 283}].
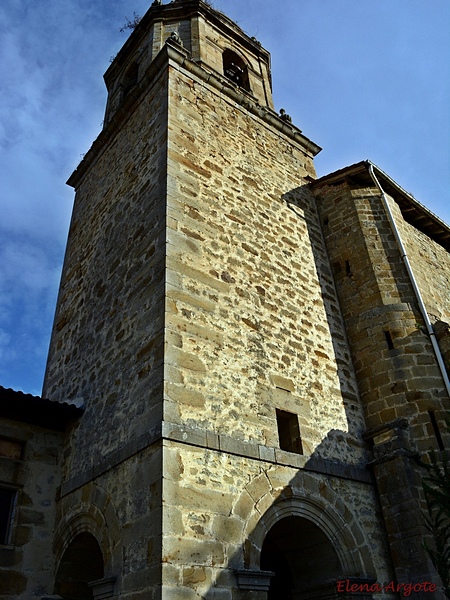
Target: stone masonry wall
[
  {"x": 215, "y": 503},
  {"x": 398, "y": 376},
  {"x": 27, "y": 565},
  {"x": 431, "y": 265},
  {"x": 381, "y": 312},
  {"x": 252, "y": 320},
  {"x": 122, "y": 509},
  {"x": 252, "y": 324},
  {"x": 107, "y": 343}
]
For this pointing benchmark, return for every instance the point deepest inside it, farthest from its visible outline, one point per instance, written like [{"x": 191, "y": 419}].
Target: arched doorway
[
  {"x": 82, "y": 562},
  {"x": 304, "y": 561}
]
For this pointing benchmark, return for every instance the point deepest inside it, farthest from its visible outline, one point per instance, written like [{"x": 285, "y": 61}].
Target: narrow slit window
[
  {"x": 436, "y": 431},
  {"x": 7, "y": 505},
  {"x": 289, "y": 432},
  {"x": 389, "y": 342},
  {"x": 348, "y": 269}
]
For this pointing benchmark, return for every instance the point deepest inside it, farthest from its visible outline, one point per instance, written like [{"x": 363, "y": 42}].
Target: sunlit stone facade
[{"x": 256, "y": 373}]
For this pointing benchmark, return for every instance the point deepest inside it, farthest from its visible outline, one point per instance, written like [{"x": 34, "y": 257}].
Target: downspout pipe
[{"x": 417, "y": 293}]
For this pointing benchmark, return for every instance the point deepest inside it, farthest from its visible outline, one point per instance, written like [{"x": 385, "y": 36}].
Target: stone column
[
  {"x": 257, "y": 581},
  {"x": 399, "y": 488},
  {"x": 103, "y": 588}
]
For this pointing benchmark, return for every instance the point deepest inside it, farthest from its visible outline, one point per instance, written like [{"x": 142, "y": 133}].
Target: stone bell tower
[{"x": 221, "y": 451}]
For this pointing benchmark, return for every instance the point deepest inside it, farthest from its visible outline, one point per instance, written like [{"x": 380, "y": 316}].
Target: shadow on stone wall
[{"x": 324, "y": 524}]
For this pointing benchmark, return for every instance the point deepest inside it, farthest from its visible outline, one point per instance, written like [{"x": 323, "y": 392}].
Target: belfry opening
[{"x": 235, "y": 69}]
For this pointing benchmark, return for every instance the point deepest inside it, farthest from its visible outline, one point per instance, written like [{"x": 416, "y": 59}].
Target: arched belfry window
[{"x": 235, "y": 69}]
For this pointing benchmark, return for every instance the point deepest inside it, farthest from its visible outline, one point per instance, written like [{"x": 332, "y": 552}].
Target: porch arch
[
  {"x": 81, "y": 563},
  {"x": 325, "y": 514},
  {"x": 86, "y": 515}
]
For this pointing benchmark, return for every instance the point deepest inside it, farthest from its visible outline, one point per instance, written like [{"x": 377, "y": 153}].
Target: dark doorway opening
[
  {"x": 303, "y": 559},
  {"x": 81, "y": 563}
]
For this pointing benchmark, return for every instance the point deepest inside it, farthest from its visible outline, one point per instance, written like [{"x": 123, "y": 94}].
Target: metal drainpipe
[{"x": 423, "y": 310}]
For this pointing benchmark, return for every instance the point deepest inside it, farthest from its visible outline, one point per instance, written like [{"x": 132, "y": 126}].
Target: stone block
[
  {"x": 190, "y": 498},
  {"x": 192, "y": 552},
  {"x": 266, "y": 453},
  {"x": 258, "y": 487},
  {"x": 172, "y": 521},
  {"x": 228, "y": 529},
  {"x": 264, "y": 503},
  {"x": 244, "y": 505},
  {"x": 236, "y": 446},
  {"x": 195, "y": 274},
  {"x": 183, "y": 395},
  {"x": 283, "y": 383},
  {"x": 183, "y": 360},
  {"x": 280, "y": 476},
  {"x": 217, "y": 593},
  {"x": 178, "y": 593},
  {"x": 190, "y": 299},
  {"x": 197, "y": 576},
  {"x": 12, "y": 584},
  {"x": 195, "y": 329},
  {"x": 173, "y": 467},
  {"x": 212, "y": 440},
  {"x": 174, "y": 432}
]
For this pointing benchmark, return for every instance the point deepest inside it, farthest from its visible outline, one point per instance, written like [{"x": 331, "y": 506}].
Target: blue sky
[{"x": 362, "y": 79}]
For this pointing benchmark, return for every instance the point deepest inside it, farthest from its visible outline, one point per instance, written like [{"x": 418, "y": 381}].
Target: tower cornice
[{"x": 174, "y": 53}]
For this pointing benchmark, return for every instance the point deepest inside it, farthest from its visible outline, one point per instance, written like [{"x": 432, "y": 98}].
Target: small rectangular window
[
  {"x": 289, "y": 432},
  {"x": 10, "y": 448},
  {"x": 436, "y": 431},
  {"x": 389, "y": 341},
  {"x": 7, "y": 505}
]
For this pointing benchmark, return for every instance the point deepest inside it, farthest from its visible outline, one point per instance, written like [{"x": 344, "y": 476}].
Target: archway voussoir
[
  {"x": 329, "y": 515},
  {"x": 264, "y": 503}
]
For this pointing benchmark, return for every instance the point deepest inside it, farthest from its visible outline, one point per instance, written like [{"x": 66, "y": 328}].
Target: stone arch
[
  {"x": 327, "y": 512},
  {"x": 235, "y": 68},
  {"x": 81, "y": 563},
  {"x": 303, "y": 559},
  {"x": 89, "y": 511}
]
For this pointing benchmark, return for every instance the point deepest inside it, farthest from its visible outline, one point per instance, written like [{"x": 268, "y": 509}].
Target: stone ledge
[
  {"x": 253, "y": 450},
  {"x": 219, "y": 443},
  {"x": 110, "y": 461}
]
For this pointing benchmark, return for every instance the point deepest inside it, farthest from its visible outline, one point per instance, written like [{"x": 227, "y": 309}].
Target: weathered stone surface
[
  {"x": 28, "y": 561},
  {"x": 208, "y": 289}
]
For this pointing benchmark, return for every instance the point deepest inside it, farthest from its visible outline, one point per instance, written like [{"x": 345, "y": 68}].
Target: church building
[{"x": 247, "y": 363}]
